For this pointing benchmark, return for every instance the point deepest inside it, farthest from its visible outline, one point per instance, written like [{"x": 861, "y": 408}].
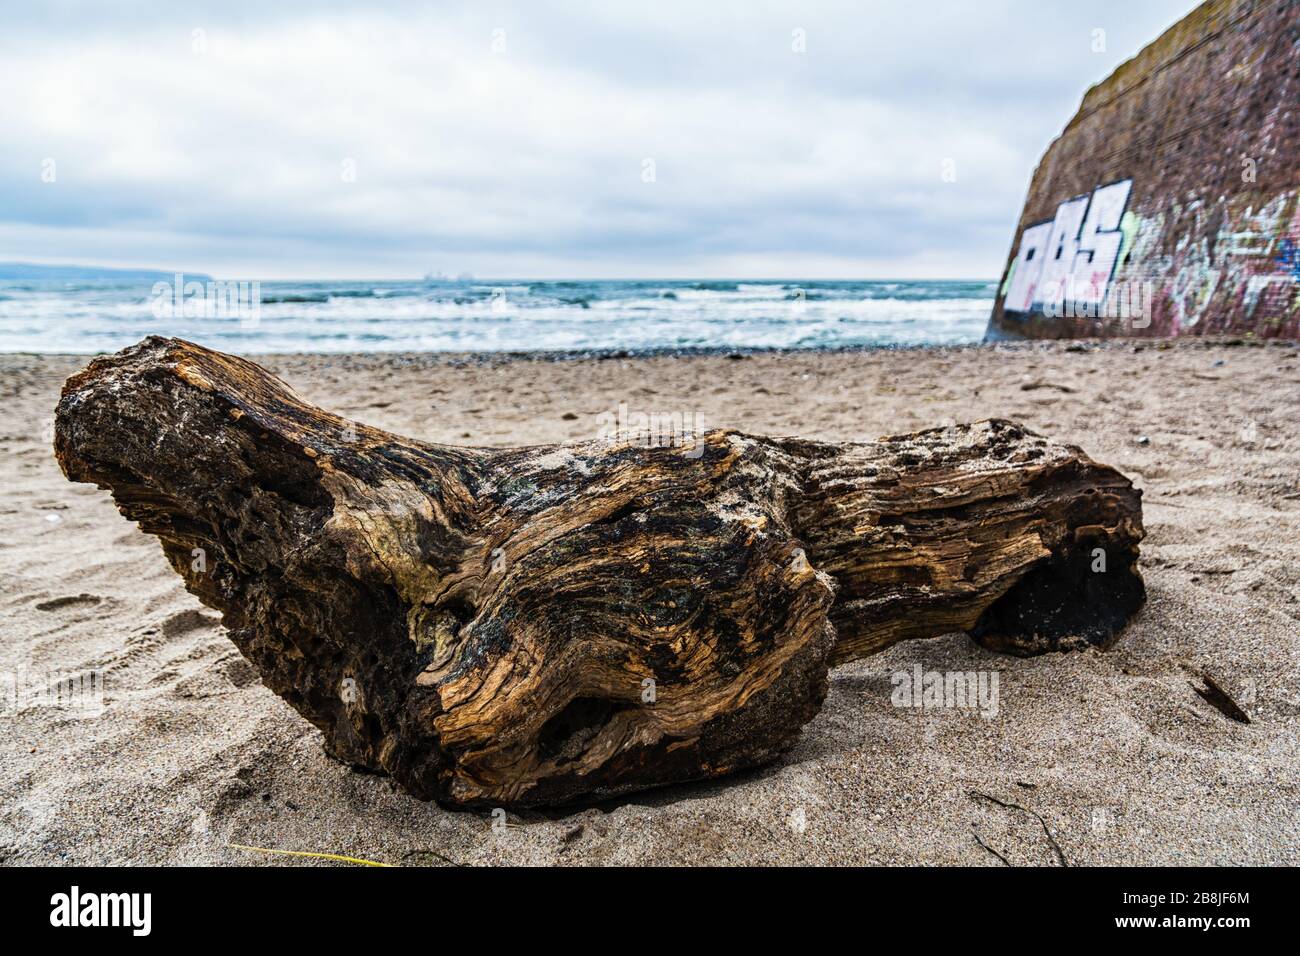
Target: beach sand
[{"x": 1092, "y": 758}]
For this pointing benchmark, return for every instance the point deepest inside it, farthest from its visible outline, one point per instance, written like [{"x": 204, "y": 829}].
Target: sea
[{"x": 469, "y": 315}]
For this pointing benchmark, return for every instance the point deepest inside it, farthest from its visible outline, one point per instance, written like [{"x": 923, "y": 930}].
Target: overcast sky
[{"x": 278, "y": 139}]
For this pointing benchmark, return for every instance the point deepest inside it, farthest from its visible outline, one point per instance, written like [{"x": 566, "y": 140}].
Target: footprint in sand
[
  {"x": 185, "y": 622},
  {"x": 168, "y": 644},
  {"x": 79, "y": 600},
  {"x": 241, "y": 673}
]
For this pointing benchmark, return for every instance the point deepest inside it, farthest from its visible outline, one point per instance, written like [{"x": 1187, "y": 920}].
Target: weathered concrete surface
[{"x": 1169, "y": 205}]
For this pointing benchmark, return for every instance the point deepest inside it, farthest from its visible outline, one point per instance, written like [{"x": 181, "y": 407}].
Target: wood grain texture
[{"x": 532, "y": 626}]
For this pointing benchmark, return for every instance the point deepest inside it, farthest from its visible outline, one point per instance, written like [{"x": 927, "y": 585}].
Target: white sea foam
[{"x": 524, "y": 316}]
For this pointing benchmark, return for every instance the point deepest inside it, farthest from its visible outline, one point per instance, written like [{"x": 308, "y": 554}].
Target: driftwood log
[{"x": 531, "y": 626}]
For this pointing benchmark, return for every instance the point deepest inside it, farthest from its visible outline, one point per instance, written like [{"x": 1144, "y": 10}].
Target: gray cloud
[{"x": 216, "y": 136}]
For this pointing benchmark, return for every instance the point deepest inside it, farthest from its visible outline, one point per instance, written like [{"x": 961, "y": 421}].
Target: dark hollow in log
[{"x": 531, "y": 626}]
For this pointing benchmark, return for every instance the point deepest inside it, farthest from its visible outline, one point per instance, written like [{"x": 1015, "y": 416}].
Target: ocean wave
[{"x": 514, "y": 316}]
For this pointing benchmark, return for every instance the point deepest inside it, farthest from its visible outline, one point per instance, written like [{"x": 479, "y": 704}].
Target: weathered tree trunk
[{"x": 533, "y": 625}]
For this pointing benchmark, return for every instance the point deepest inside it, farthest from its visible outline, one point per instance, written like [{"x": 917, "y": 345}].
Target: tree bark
[{"x": 531, "y": 626}]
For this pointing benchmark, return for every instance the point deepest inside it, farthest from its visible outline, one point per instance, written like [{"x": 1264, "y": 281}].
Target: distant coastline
[{"x": 30, "y": 271}]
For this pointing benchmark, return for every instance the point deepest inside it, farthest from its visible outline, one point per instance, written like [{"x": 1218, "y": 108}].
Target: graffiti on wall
[
  {"x": 1065, "y": 264},
  {"x": 1227, "y": 257}
]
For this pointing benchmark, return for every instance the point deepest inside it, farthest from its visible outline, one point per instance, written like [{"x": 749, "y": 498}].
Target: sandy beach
[{"x": 1092, "y": 758}]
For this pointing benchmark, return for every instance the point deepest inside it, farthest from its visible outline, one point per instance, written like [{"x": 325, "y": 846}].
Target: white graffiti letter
[
  {"x": 1099, "y": 244},
  {"x": 1028, "y": 267}
]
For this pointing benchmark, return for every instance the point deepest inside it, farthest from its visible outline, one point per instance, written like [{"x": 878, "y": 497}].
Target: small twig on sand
[
  {"x": 445, "y": 859},
  {"x": 1060, "y": 854},
  {"x": 975, "y": 833},
  {"x": 1220, "y": 700}
]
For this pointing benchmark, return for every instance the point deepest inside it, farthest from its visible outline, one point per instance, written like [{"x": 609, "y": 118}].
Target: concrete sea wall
[{"x": 1170, "y": 205}]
